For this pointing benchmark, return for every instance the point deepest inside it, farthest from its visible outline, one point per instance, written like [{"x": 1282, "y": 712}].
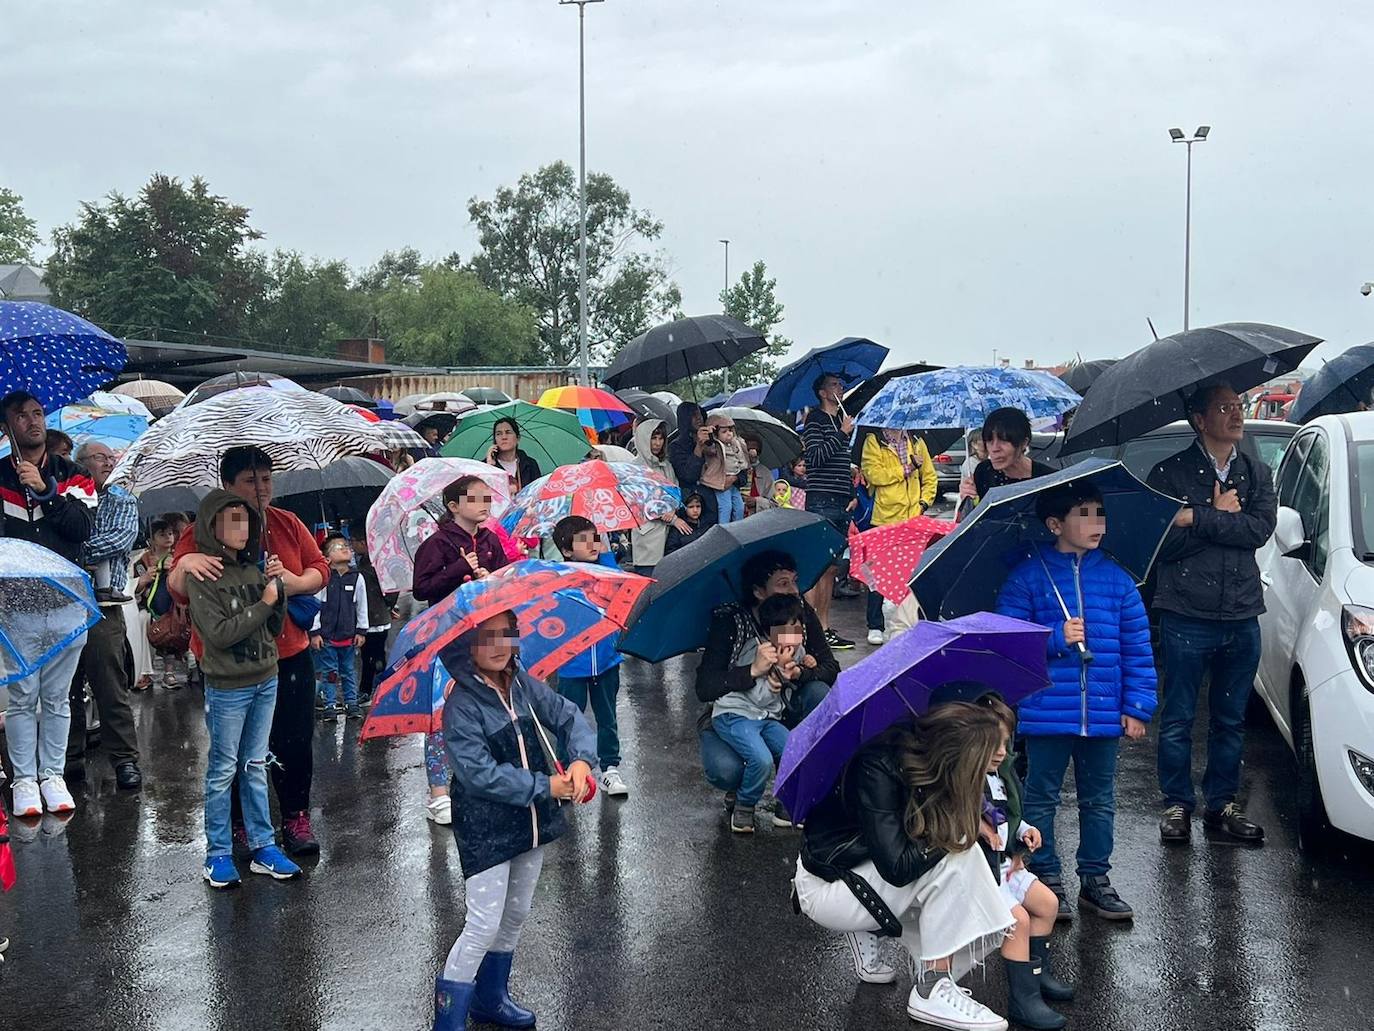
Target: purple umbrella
[{"x": 895, "y": 683}]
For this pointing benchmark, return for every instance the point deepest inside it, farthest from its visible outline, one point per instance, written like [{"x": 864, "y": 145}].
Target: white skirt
[
  {"x": 1016, "y": 884},
  {"x": 136, "y": 630},
  {"x": 954, "y": 910}
]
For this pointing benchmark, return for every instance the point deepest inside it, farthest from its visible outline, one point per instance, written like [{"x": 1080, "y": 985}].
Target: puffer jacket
[
  {"x": 1208, "y": 570},
  {"x": 896, "y": 496},
  {"x": 1085, "y": 701}
]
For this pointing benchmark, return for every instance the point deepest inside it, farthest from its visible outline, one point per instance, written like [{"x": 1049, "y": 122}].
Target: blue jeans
[
  {"x": 729, "y": 505},
  {"x": 337, "y": 664},
  {"x": 38, "y": 746},
  {"x": 1094, "y": 777},
  {"x": 1228, "y": 651},
  {"x": 759, "y": 744},
  {"x": 723, "y": 767},
  {"x": 601, "y": 690},
  {"x": 239, "y": 721}
]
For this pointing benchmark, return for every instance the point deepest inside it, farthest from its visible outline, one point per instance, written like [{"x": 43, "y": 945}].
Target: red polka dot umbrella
[{"x": 885, "y": 557}]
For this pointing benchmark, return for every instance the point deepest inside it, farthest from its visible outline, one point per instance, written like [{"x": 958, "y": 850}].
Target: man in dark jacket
[
  {"x": 47, "y": 499},
  {"x": 1209, "y": 599},
  {"x": 687, "y": 453}
]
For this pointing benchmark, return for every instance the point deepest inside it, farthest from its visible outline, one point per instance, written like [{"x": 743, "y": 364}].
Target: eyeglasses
[{"x": 1228, "y": 407}]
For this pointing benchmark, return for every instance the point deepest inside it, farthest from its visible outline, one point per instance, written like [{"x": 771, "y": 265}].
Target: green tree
[
  {"x": 528, "y": 236},
  {"x": 307, "y": 306},
  {"x": 172, "y": 261},
  {"x": 754, "y": 301},
  {"x": 446, "y": 316},
  {"x": 18, "y": 232}
]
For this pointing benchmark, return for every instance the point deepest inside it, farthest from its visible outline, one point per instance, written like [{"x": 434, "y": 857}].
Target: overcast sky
[{"x": 944, "y": 178}]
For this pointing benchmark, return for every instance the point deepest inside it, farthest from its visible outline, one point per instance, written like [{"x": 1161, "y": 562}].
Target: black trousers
[
  {"x": 104, "y": 667},
  {"x": 373, "y": 661},
  {"x": 292, "y": 739}
]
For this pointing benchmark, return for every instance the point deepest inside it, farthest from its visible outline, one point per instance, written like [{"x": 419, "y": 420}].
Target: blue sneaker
[
  {"x": 272, "y": 861},
  {"x": 220, "y": 872}
]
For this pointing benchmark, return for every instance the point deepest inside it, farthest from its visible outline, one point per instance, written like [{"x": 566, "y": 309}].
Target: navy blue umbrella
[
  {"x": 673, "y": 615},
  {"x": 749, "y": 397},
  {"x": 1341, "y": 385},
  {"x": 851, "y": 359},
  {"x": 963, "y": 572},
  {"x": 56, "y": 356}
]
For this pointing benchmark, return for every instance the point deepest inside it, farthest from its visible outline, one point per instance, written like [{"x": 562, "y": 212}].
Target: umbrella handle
[{"x": 1084, "y": 655}]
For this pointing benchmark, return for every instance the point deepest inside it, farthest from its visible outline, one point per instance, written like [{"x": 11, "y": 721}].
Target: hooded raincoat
[{"x": 648, "y": 541}]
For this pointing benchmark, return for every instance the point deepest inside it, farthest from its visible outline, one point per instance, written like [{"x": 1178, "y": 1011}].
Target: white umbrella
[{"x": 159, "y": 397}]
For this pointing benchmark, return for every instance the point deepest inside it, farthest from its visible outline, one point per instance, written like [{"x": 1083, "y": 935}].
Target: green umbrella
[{"x": 551, "y": 436}]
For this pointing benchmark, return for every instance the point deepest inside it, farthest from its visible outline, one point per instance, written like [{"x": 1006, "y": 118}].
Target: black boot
[
  {"x": 1097, "y": 894},
  {"x": 1025, "y": 1005},
  {"x": 1056, "y": 884},
  {"x": 1050, "y": 986}
]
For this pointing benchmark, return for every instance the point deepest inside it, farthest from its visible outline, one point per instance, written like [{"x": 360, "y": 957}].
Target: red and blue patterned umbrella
[
  {"x": 613, "y": 495},
  {"x": 562, "y": 609}
]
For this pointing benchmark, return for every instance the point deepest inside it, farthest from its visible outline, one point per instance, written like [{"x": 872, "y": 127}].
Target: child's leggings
[
  {"x": 436, "y": 760},
  {"x": 498, "y": 901}
]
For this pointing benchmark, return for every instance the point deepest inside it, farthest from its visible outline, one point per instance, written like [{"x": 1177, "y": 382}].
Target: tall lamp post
[
  {"x": 582, "y": 179},
  {"x": 1178, "y": 137},
  {"x": 723, "y": 300}
]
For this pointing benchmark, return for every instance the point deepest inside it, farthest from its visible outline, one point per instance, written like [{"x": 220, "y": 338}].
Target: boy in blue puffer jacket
[
  {"x": 595, "y": 674},
  {"x": 1102, "y": 684}
]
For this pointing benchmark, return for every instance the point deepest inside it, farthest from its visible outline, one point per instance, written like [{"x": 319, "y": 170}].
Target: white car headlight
[{"x": 1357, "y": 622}]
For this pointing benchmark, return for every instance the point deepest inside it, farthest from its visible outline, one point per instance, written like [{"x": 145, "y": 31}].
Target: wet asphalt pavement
[{"x": 650, "y": 914}]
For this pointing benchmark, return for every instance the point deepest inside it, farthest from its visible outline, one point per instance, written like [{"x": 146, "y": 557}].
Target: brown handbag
[{"x": 171, "y": 632}]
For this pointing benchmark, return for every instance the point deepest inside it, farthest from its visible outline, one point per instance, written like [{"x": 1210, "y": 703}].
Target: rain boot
[
  {"x": 1051, "y": 987},
  {"x": 491, "y": 1002},
  {"x": 451, "y": 1002},
  {"x": 1025, "y": 1006}
]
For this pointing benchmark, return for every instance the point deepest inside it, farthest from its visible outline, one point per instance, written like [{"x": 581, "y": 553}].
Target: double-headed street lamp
[
  {"x": 582, "y": 179},
  {"x": 1178, "y": 137}
]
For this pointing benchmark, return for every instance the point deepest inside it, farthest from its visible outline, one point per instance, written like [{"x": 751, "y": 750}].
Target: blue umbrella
[
  {"x": 748, "y": 397},
  {"x": 56, "y": 356},
  {"x": 714, "y": 401},
  {"x": 675, "y": 613},
  {"x": 48, "y": 603},
  {"x": 963, "y": 396},
  {"x": 1341, "y": 385},
  {"x": 851, "y": 359},
  {"x": 85, "y": 424},
  {"x": 963, "y": 572}
]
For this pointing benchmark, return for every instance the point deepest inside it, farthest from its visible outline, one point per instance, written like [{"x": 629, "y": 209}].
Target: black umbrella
[
  {"x": 1341, "y": 385},
  {"x": 646, "y": 406},
  {"x": 161, "y": 500},
  {"x": 350, "y": 396},
  {"x": 341, "y": 490},
  {"x": 1150, "y": 388},
  {"x": 676, "y": 350},
  {"x": 442, "y": 421},
  {"x": 866, "y": 391},
  {"x": 1081, "y": 375}
]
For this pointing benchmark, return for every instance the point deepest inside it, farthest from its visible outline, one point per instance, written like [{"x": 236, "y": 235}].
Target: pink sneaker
[{"x": 297, "y": 836}]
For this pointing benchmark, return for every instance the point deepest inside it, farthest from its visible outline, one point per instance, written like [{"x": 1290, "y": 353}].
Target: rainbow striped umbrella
[{"x": 597, "y": 410}]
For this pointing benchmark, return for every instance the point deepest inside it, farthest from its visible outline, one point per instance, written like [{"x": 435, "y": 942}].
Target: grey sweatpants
[{"x": 498, "y": 901}]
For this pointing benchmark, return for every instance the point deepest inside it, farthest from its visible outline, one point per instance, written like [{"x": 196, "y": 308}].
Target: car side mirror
[{"x": 1289, "y": 535}]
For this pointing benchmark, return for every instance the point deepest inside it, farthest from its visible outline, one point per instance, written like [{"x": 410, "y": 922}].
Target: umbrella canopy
[
  {"x": 486, "y": 396},
  {"x": 964, "y": 572},
  {"x": 87, "y": 424},
  {"x": 551, "y": 436},
  {"x": 613, "y": 495},
  {"x": 1150, "y": 388},
  {"x": 780, "y": 442},
  {"x": 1082, "y": 375},
  {"x": 160, "y": 397},
  {"x": 445, "y": 402},
  {"x": 895, "y": 684},
  {"x": 56, "y": 356},
  {"x": 714, "y": 401},
  {"x": 963, "y": 396},
  {"x": 120, "y": 404},
  {"x": 648, "y": 406},
  {"x": 865, "y": 391},
  {"x": 693, "y": 581},
  {"x": 298, "y": 430},
  {"x": 1341, "y": 385},
  {"x": 852, "y": 359},
  {"x": 345, "y": 489},
  {"x": 562, "y": 609},
  {"x": 676, "y": 350},
  {"x": 596, "y": 410},
  {"x": 350, "y": 395},
  {"x": 748, "y": 397},
  {"x": 238, "y": 380},
  {"x": 161, "y": 500},
  {"x": 885, "y": 557},
  {"x": 441, "y": 421},
  {"x": 48, "y": 603},
  {"x": 407, "y": 511}
]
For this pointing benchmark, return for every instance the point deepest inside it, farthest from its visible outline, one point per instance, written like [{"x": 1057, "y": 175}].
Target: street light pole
[
  {"x": 582, "y": 180},
  {"x": 724, "y": 300},
  {"x": 1177, "y": 136}
]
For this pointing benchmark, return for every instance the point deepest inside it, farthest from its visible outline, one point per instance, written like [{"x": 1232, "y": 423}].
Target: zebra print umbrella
[{"x": 298, "y": 430}]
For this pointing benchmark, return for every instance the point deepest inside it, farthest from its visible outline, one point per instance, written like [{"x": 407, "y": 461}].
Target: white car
[{"x": 1316, "y": 671}]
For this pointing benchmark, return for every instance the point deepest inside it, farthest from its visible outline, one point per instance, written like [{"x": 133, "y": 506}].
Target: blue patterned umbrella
[
  {"x": 56, "y": 356},
  {"x": 963, "y": 396}
]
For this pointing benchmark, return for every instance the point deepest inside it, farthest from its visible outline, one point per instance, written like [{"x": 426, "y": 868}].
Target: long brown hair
[{"x": 944, "y": 760}]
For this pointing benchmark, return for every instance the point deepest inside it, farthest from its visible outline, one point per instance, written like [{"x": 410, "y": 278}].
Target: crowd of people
[{"x": 931, "y": 836}]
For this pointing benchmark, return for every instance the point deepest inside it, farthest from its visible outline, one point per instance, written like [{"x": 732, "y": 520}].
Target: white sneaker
[
  {"x": 950, "y": 1006},
  {"x": 868, "y": 958},
  {"x": 875, "y": 637},
  {"x": 56, "y": 796},
  {"x": 27, "y": 800},
  {"x": 440, "y": 810},
  {"x": 613, "y": 783}
]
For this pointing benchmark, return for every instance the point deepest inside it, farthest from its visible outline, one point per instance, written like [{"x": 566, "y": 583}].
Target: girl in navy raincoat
[{"x": 507, "y": 804}]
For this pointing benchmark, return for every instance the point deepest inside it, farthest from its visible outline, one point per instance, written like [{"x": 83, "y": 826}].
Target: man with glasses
[{"x": 1209, "y": 599}]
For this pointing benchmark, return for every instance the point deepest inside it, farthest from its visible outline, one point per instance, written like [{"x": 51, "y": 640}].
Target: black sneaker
[
  {"x": 109, "y": 596},
  {"x": 330, "y": 712},
  {"x": 1056, "y": 884},
  {"x": 1231, "y": 821},
  {"x": 729, "y": 802},
  {"x": 1176, "y": 825},
  {"x": 1097, "y": 895},
  {"x": 742, "y": 819},
  {"x": 848, "y": 589},
  {"x": 836, "y": 642},
  {"x": 354, "y": 712}
]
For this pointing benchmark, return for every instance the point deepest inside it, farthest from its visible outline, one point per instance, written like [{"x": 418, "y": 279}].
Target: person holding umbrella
[
  {"x": 899, "y": 471},
  {"x": 1209, "y": 598},
  {"x": 829, "y": 483},
  {"x": 687, "y": 452},
  {"x": 505, "y": 453}
]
